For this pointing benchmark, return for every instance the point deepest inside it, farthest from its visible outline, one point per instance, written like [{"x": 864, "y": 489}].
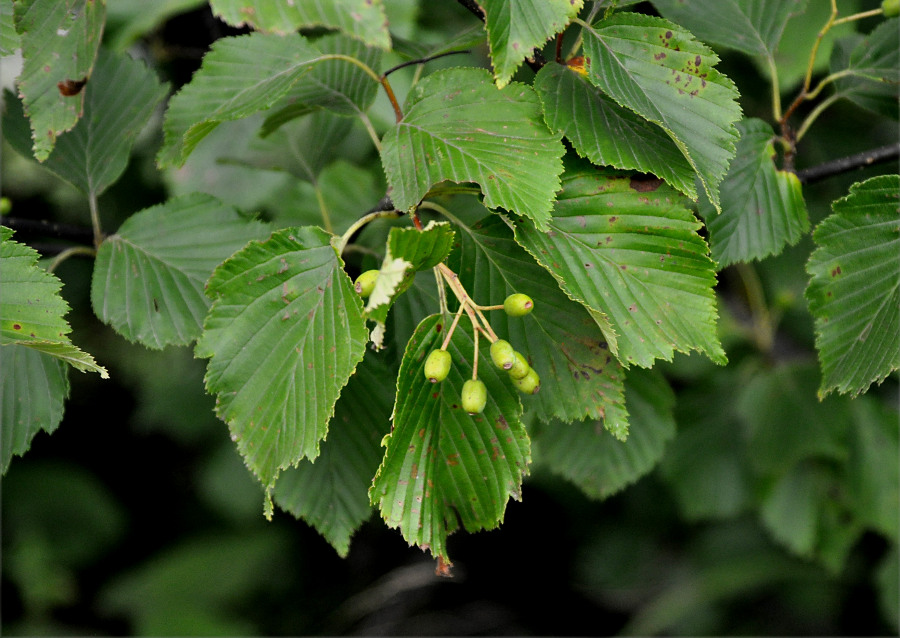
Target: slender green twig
[
  {"x": 452, "y": 328},
  {"x": 70, "y": 252},
  {"x": 323, "y": 209},
  {"x": 370, "y": 129},
  {"x": 871, "y": 13},
  {"x": 579, "y": 39},
  {"x": 776, "y": 89},
  {"x": 763, "y": 323},
  {"x": 95, "y": 219},
  {"x": 815, "y": 113},
  {"x": 359, "y": 223}
]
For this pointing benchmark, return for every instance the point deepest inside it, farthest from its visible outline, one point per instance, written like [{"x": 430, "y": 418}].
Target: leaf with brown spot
[
  {"x": 652, "y": 277},
  {"x": 857, "y": 319},
  {"x": 442, "y": 467},
  {"x": 695, "y": 104}
]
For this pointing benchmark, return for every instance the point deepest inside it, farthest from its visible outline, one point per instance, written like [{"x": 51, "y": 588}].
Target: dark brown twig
[{"x": 849, "y": 163}]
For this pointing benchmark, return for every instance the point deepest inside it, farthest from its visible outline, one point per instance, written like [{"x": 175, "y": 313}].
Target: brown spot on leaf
[
  {"x": 837, "y": 271},
  {"x": 71, "y": 88}
]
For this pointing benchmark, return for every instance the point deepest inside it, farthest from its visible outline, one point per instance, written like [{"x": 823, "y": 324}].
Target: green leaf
[
  {"x": 149, "y": 277},
  {"x": 628, "y": 248},
  {"x": 304, "y": 147},
  {"x": 284, "y": 334},
  {"x": 332, "y": 493},
  {"x": 873, "y": 467},
  {"x": 459, "y": 127},
  {"x": 239, "y": 76},
  {"x": 443, "y": 467},
  {"x": 336, "y": 85},
  {"x": 751, "y": 26},
  {"x": 33, "y": 389},
  {"x": 217, "y": 568},
  {"x": 9, "y": 39},
  {"x": 606, "y": 133},
  {"x": 799, "y": 512},
  {"x": 762, "y": 207},
  {"x": 579, "y": 377},
  {"x": 597, "y": 463},
  {"x": 854, "y": 289},
  {"x": 329, "y": 202},
  {"x": 361, "y": 19},
  {"x": 118, "y": 101},
  {"x": 59, "y": 44},
  {"x": 516, "y": 27},
  {"x": 659, "y": 71},
  {"x": 706, "y": 465},
  {"x": 868, "y": 68},
  {"x": 32, "y": 310},
  {"x": 785, "y": 424}
]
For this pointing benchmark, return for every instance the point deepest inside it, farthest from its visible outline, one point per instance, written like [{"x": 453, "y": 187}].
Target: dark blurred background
[{"x": 137, "y": 516}]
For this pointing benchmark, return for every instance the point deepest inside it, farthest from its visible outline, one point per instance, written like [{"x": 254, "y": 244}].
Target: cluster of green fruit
[{"x": 504, "y": 356}]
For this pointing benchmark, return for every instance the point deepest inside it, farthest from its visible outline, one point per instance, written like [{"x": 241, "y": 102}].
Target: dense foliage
[{"x": 423, "y": 254}]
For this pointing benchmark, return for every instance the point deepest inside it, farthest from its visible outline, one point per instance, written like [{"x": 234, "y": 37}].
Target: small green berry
[
  {"x": 437, "y": 365},
  {"x": 529, "y": 384},
  {"x": 5, "y": 205},
  {"x": 518, "y": 305},
  {"x": 502, "y": 354},
  {"x": 519, "y": 367},
  {"x": 474, "y": 396},
  {"x": 365, "y": 283},
  {"x": 891, "y": 8}
]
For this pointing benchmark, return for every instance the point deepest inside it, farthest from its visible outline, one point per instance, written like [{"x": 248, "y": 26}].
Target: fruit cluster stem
[{"x": 479, "y": 321}]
